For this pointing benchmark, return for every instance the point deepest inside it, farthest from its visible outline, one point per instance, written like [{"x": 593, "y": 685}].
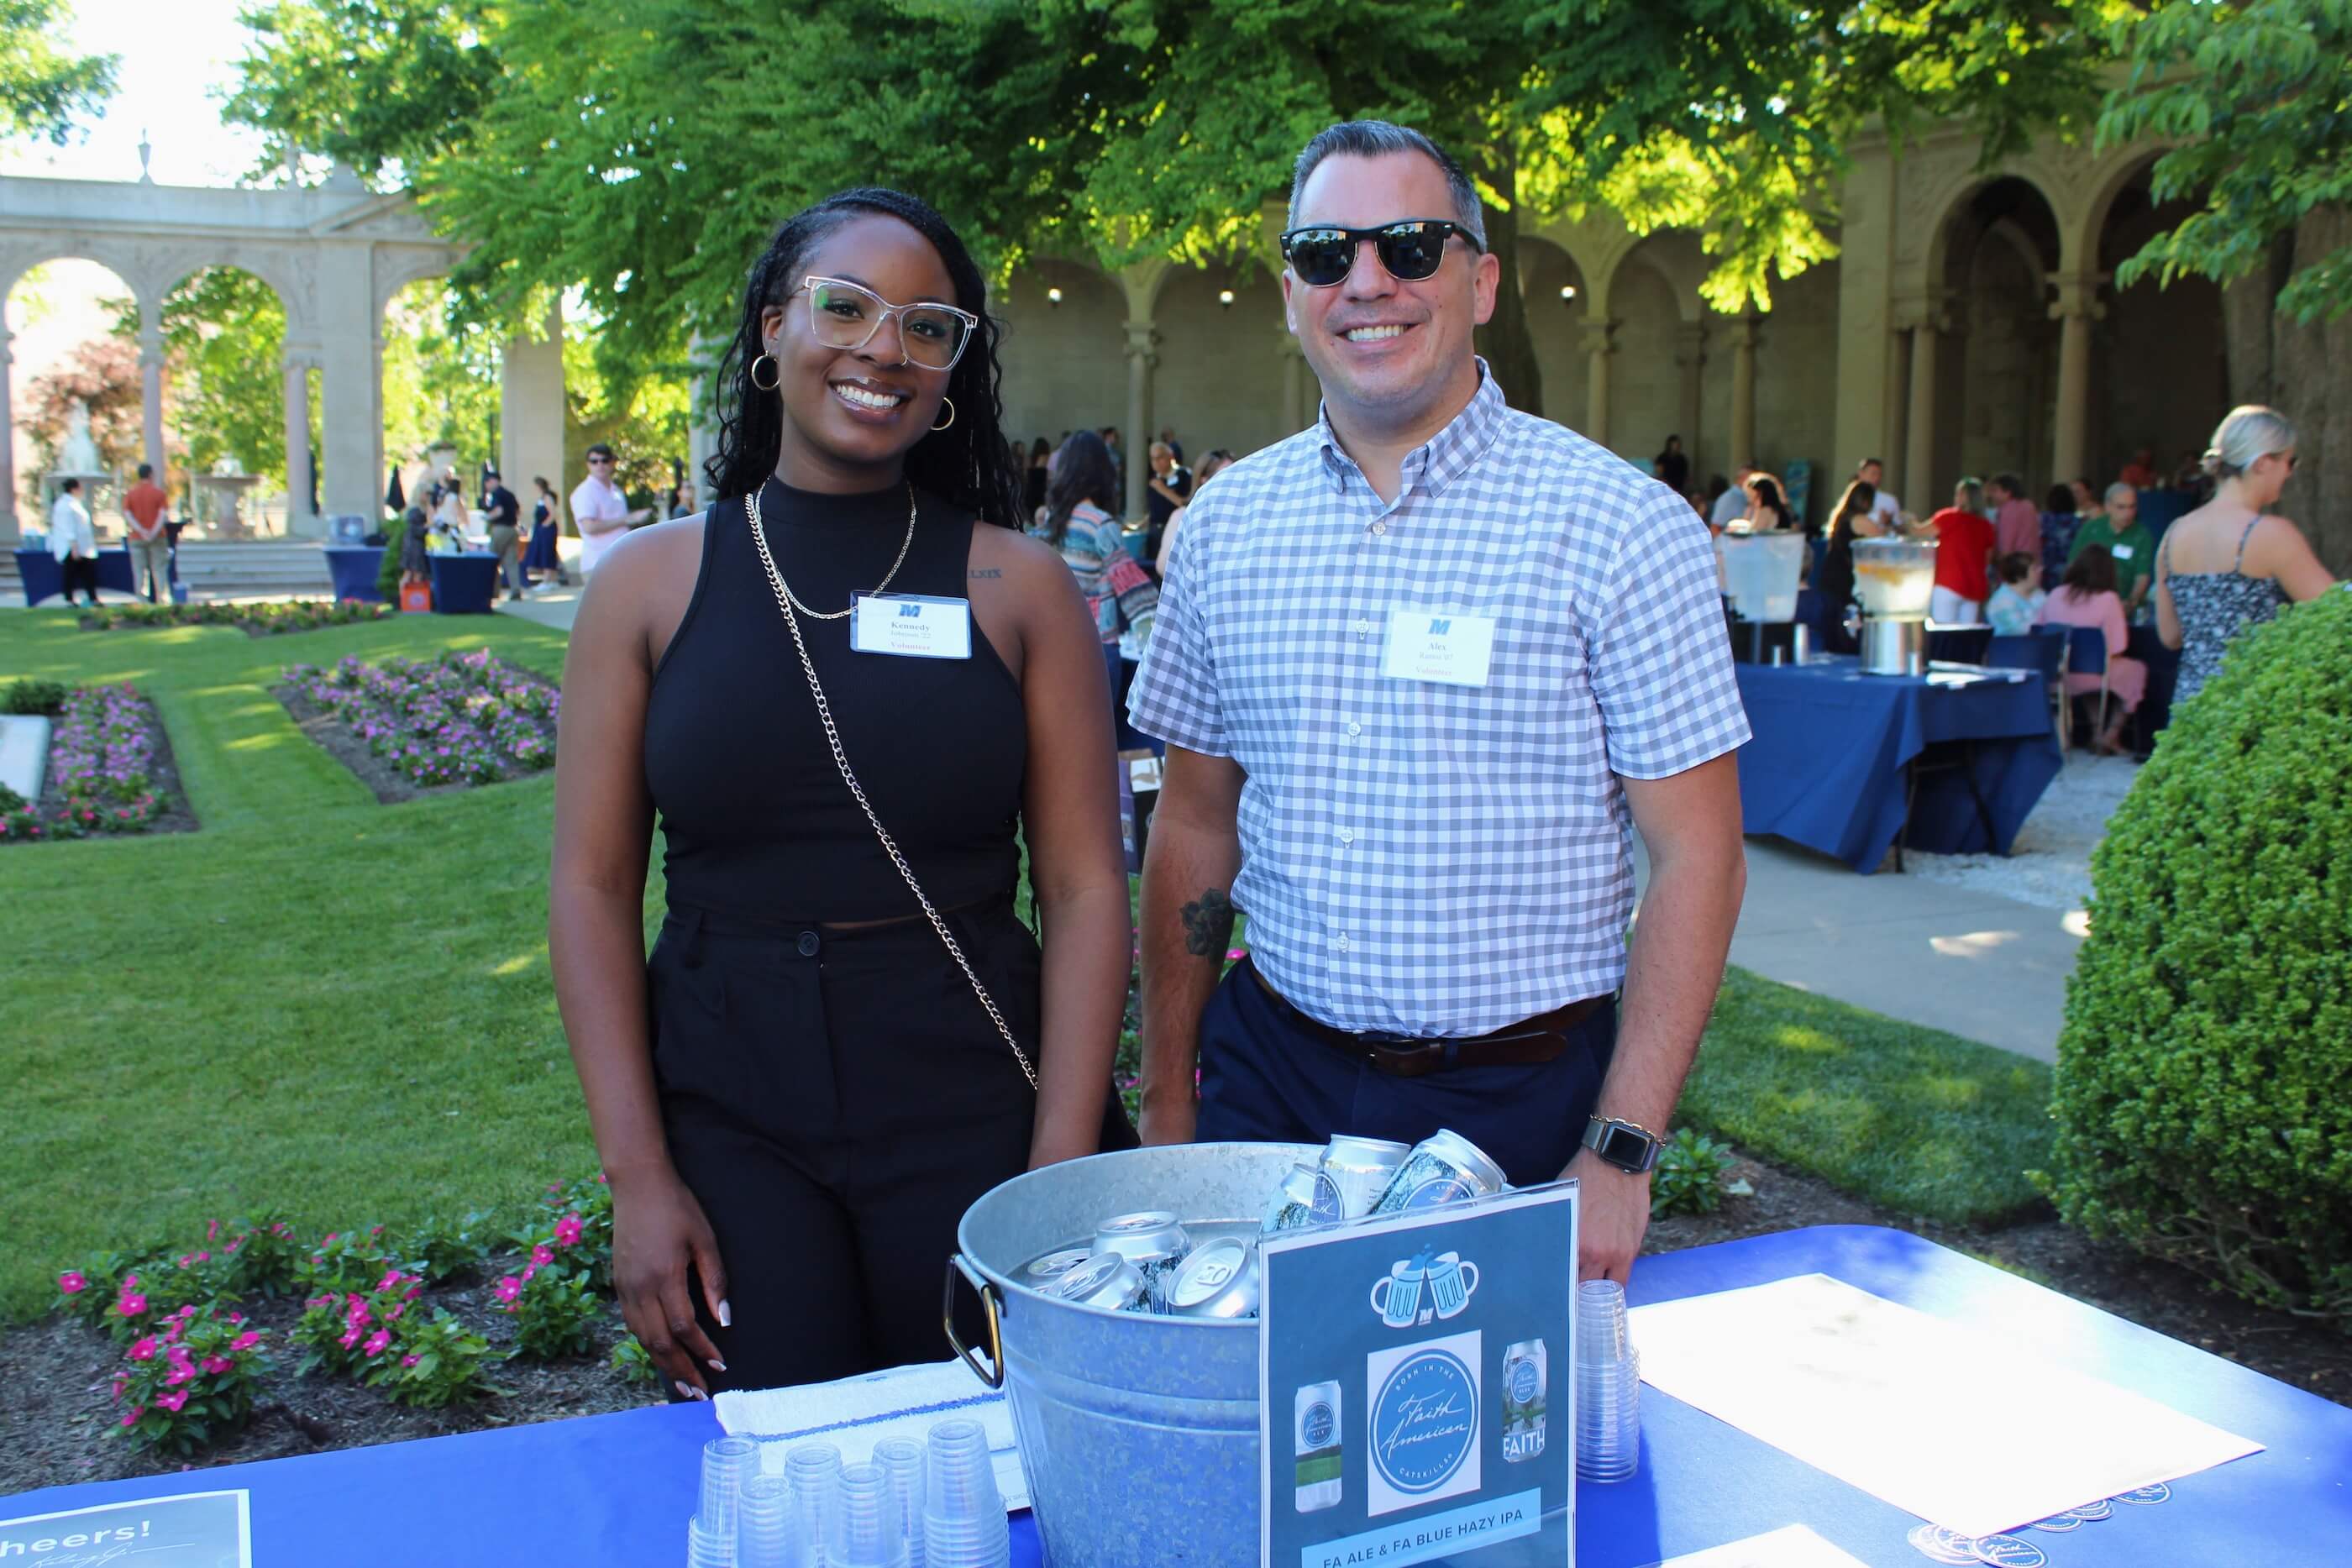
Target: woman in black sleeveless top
[{"x": 799, "y": 1093}]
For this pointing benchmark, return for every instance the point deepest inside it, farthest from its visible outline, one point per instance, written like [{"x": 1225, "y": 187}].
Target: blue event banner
[
  {"x": 1413, "y": 1387},
  {"x": 189, "y": 1529}
]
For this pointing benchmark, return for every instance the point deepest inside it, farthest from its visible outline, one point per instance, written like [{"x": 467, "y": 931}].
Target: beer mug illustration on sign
[
  {"x": 1396, "y": 1295},
  {"x": 1451, "y": 1280}
]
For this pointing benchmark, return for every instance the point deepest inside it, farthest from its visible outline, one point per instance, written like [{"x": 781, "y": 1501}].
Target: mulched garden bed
[
  {"x": 266, "y": 620},
  {"x": 81, "y": 797},
  {"x": 57, "y": 1415},
  {"x": 409, "y": 728}
]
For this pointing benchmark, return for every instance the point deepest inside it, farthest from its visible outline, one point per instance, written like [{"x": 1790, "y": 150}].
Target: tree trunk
[
  {"x": 1505, "y": 341},
  {"x": 2311, "y": 365}
]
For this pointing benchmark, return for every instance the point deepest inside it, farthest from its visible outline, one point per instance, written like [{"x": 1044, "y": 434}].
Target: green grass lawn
[{"x": 344, "y": 1009}]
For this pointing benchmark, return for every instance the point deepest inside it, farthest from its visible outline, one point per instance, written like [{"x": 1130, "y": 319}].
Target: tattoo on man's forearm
[{"x": 1209, "y": 925}]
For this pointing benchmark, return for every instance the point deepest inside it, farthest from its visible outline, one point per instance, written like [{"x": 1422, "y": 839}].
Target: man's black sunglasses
[{"x": 1411, "y": 250}]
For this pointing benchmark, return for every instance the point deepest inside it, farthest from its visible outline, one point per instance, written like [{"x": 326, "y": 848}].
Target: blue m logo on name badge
[
  {"x": 907, "y": 610},
  {"x": 1440, "y": 628}
]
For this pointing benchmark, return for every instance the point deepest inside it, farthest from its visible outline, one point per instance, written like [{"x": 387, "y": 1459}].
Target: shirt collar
[{"x": 1444, "y": 457}]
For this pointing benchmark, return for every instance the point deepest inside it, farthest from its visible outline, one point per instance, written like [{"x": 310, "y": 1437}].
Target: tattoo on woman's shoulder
[
  {"x": 979, "y": 572},
  {"x": 1209, "y": 925}
]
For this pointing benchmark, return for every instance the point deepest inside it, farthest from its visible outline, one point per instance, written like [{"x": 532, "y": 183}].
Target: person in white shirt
[
  {"x": 1886, "y": 510},
  {"x": 73, "y": 542},
  {"x": 599, "y": 510}
]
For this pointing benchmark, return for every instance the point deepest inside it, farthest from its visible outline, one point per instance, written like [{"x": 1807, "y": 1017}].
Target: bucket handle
[{"x": 993, "y": 1374}]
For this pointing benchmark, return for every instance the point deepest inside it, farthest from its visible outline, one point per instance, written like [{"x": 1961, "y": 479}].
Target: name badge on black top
[{"x": 911, "y": 626}]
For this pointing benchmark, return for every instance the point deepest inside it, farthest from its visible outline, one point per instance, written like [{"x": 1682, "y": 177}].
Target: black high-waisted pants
[{"x": 835, "y": 1100}]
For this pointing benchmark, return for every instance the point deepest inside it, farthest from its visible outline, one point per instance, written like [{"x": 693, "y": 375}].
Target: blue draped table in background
[
  {"x": 465, "y": 584},
  {"x": 353, "y": 569},
  {"x": 617, "y": 1489},
  {"x": 1829, "y": 768},
  {"x": 43, "y": 576}
]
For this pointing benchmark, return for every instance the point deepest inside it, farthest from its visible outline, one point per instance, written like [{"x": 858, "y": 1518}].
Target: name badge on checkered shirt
[{"x": 1437, "y": 645}]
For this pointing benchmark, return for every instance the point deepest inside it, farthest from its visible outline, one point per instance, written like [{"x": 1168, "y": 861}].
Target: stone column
[
  {"x": 1598, "y": 347},
  {"x": 300, "y": 521},
  {"x": 1919, "y": 478},
  {"x": 2076, "y": 307},
  {"x": 702, "y": 414},
  {"x": 1893, "y": 444},
  {"x": 1743, "y": 392},
  {"x": 9, "y": 529},
  {"x": 531, "y": 409},
  {"x": 1142, "y": 354},
  {"x": 150, "y": 381},
  {"x": 350, "y": 381},
  {"x": 1690, "y": 358}
]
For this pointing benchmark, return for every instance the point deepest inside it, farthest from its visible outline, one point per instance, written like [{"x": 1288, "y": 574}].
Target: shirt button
[
  {"x": 1379, "y": 529},
  {"x": 1342, "y": 942},
  {"x": 808, "y": 944},
  {"x": 1347, "y": 835},
  {"x": 1363, "y": 627},
  {"x": 1354, "y": 728}
]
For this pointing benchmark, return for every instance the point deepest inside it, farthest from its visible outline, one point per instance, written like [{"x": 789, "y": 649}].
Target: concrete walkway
[{"x": 1973, "y": 962}]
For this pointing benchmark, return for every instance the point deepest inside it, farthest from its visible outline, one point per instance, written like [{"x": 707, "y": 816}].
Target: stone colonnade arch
[{"x": 335, "y": 253}]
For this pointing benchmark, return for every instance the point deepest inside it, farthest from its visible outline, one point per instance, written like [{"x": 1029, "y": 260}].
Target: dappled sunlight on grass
[
  {"x": 1795, "y": 1037},
  {"x": 260, "y": 742},
  {"x": 520, "y": 962}
]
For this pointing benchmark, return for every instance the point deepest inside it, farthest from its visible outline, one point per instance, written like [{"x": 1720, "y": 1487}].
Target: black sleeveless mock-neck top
[{"x": 756, "y": 818}]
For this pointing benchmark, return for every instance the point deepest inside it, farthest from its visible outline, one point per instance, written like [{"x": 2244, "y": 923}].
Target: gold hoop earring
[
  {"x": 776, "y": 370},
  {"x": 950, "y": 408}
]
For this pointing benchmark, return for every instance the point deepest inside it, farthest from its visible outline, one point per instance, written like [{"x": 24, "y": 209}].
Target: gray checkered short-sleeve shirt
[{"x": 1424, "y": 859}]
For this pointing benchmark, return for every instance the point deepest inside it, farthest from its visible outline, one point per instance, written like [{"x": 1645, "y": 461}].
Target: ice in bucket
[{"x": 1760, "y": 574}]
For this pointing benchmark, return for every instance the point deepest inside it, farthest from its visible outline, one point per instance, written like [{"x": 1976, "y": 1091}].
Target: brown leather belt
[{"x": 1540, "y": 1038}]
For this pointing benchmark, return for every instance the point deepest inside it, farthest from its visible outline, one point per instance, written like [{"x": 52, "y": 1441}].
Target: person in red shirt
[
  {"x": 1963, "y": 544},
  {"x": 2141, "y": 472},
  {"x": 150, "y": 553}
]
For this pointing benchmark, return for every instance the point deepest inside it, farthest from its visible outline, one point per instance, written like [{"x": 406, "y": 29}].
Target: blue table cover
[
  {"x": 613, "y": 1490},
  {"x": 1826, "y": 767},
  {"x": 43, "y": 577},
  {"x": 353, "y": 569},
  {"x": 466, "y": 585}
]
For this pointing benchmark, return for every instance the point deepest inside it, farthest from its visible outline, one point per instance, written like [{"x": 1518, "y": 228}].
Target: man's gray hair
[
  {"x": 2120, "y": 488},
  {"x": 1377, "y": 138},
  {"x": 1969, "y": 495}
]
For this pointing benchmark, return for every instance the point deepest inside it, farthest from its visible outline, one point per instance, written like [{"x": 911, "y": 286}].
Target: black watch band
[{"x": 1630, "y": 1146}]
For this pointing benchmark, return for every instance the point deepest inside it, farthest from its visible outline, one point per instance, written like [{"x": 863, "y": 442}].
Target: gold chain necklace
[{"x": 760, "y": 533}]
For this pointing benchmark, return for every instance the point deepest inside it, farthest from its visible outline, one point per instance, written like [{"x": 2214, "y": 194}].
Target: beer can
[
  {"x": 1320, "y": 1448},
  {"x": 1524, "y": 1380},
  {"x": 1355, "y": 1172},
  {"x": 1107, "y": 1281},
  {"x": 1292, "y": 1208},
  {"x": 1218, "y": 1280},
  {"x": 1445, "y": 1167},
  {"x": 1043, "y": 1271},
  {"x": 1152, "y": 1242},
  {"x": 1800, "y": 643}
]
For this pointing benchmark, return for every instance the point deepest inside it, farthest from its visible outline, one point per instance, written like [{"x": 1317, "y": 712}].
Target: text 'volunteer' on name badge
[
  {"x": 911, "y": 626},
  {"x": 1438, "y": 646}
]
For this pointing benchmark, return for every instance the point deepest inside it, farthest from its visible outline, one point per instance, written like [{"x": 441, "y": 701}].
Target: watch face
[{"x": 1625, "y": 1148}]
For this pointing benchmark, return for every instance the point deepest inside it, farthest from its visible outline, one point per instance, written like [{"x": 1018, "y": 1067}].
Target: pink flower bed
[
  {"x": 461, "y": 718},
  {"x": 101, "y": 762}
]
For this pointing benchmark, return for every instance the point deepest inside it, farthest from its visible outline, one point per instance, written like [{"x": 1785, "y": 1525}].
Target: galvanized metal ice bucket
[{"x": 1138, "y": 1433}]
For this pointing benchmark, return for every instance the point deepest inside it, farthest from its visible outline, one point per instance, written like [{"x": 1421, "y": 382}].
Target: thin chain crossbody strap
[{"x": 858, "y": 791}]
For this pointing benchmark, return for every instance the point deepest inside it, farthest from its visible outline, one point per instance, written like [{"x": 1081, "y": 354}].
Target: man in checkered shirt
[{"x": 1420, "y": 669}]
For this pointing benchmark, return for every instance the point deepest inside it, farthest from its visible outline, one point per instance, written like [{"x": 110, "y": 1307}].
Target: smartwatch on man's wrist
[{"x": 1630, "y": 1146}]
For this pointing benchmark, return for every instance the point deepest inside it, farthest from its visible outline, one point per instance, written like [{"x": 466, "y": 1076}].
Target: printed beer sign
[{"x": 1405, "y": 1393}]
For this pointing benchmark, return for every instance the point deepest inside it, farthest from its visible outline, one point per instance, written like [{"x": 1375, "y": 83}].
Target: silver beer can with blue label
[
  {"x": 1525, "y": 1379},
  {"x": 1219, "y": 1279},
  {"x": 1107, "y": 1281},
  {"x": 1355, "y": 1172},
  {"x": 1292, "y": 1208},
  {"x": 1445, "y": 1167},
  {"x": 1043, "y": 1271},
  {"x": 1152, "y": 1242}
]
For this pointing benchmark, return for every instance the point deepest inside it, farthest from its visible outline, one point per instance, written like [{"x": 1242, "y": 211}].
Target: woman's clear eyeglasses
[{"x": 844, "y": 315}]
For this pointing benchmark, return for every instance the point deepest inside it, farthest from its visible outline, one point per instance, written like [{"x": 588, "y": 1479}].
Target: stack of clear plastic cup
[
  {"x": 901, "y": 1462},
  {"x": 726, "y": 1464},
  {"x": 767, "y": 1532},
  {"x": 1608, "y": 1385},
  {"x": 863, "y": 1532},
  {"x": 963, "y": 1513},
  {"x": 706, "y": 1548},
  {"x": 811, "y": 1472}
]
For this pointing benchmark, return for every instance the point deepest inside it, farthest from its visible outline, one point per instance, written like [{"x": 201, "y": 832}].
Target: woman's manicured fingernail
[
  {"x": 687, "y": 1390},
  {"x": 717, "y": 1364},
  {"x": 726, "y": 1316}
]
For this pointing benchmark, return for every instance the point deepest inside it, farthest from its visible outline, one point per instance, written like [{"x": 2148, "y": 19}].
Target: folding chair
[
  {"x": 2087, "y": 655},
  {"x": 2043, "y": 650}
]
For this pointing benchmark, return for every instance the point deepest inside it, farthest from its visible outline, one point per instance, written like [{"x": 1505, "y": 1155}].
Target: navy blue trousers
[{"x": 1264, "y": 1080}]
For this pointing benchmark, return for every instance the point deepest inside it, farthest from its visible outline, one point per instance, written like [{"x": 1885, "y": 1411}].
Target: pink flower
[
  {"x": 236, "y": 1317},
  {"x": 379, "y": 1342},
  {"x": 392, "y": 1314},
  {"x": 359, "y": 1316},
  {"x": 121, "y": 1383},
  {"x": 245, "y": 1341},
  {"x": 542, "y": 1255},
  {"x": 408, "y": 1361},
  {"x": 349, "y": 1338},
  {"x": 392, "y": 1277},
  {"x": 414, "y": 1292},
  {"x": 567, "y": 1230},
  {"x": 129, "y": 1281},
  {"x": 144, "y": 1350},
  {"x": 508, "y": 1288},
  {"x": 527, "y": 1273},
  {"x": 172, "y": 1402},
  {"x": 72, "y": 1282},
  {"x": 216, "y": 1365},
  {"x": 235, "y": 1242},
  {"x": 212, "y": 1230},
  {"x": 203, "y": 1257},
  {"x": 131, "y": 1417},
  {"x": 602, "y": 1180},
  {"x": 181, "y": 1373},
  {"x": 132, "y": 1304},
  {"x": 332, "y": 1235}
]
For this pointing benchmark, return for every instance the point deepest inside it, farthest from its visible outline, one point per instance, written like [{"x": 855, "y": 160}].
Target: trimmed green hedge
[{"x": 2204, "y": 1084}]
